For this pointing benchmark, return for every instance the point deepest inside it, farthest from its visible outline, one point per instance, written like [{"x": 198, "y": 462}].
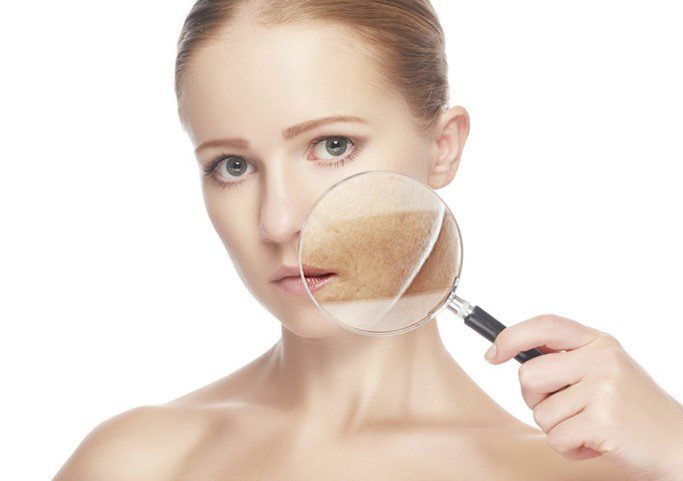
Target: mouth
[{"x": 293, "y": 285}]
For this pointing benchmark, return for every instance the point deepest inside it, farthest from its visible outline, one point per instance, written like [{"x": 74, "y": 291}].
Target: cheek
[
  {"x": 395, "y": 155},
  {"x": 235, "y": 219},
  {"x": 237, "y": 229},
  {"x": 411, "y": 160},
  {"x": 233, "y": 215}
]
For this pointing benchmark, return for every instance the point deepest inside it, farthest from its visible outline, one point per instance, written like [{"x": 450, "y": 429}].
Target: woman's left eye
[{"x": 333, "y": 148}]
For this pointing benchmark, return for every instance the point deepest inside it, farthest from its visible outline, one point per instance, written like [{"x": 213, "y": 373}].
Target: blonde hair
[{"x": 406, "y": 35}]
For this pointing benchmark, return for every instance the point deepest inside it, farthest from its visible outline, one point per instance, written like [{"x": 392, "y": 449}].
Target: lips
[
  {"x": 293, "y": 271},
  {"x": 294, "y": 285},
  {"x": 311, "y": 271},
  {"x": 289, "y": 279}
]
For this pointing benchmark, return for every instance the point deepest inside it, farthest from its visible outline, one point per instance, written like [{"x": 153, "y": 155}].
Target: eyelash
[{"x": 210, "y": 169}]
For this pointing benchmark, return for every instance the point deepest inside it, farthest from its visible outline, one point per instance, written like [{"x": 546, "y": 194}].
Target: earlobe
[{"x": 450, "y": 134}]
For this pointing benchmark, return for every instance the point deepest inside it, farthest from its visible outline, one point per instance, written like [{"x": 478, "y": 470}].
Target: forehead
[{"x": 274, "y": 77}]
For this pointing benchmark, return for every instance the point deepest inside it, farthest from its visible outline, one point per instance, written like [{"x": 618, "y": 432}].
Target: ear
[{"x": 449, "y": 135}]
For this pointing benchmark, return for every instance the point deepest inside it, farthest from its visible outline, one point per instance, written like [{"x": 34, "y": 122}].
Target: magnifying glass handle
[
  {"x": 489, "y": 327},
  {"x": 486, "y": 325}
]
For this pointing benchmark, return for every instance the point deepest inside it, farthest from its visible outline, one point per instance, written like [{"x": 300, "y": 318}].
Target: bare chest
[{"x": 370, "y": 457}]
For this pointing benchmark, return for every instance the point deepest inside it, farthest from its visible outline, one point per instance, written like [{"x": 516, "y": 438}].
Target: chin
[
  {"x": 312, "y": 332},
  {"x": 298, "y": 314},
  {"x": 315, "y": 325}
]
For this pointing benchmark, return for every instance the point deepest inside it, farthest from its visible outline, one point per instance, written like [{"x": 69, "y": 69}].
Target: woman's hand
[{"x": 594, "y": 399}]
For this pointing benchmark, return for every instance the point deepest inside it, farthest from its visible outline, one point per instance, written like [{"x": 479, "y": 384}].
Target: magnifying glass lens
[{"x": 391, "y": 248}]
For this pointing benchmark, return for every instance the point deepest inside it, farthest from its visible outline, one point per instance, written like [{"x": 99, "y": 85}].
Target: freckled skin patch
[{"x": 374, "y": 255}]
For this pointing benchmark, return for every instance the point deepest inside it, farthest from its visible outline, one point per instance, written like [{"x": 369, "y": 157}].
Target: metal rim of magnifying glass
[{"x": 447, "y": 298}]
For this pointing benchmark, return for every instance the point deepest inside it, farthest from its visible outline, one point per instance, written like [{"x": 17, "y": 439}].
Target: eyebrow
[{"x": 288, "y": 133}]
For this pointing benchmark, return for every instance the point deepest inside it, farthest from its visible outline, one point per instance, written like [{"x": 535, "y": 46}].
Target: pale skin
[{"x": 325, "y": 403}]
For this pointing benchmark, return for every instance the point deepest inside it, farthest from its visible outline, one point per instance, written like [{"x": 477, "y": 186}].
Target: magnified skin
[
  {"x": 381, "y": 258},
  {"x": 374, "y": 256},
  {"x": 443, "y": 265}
]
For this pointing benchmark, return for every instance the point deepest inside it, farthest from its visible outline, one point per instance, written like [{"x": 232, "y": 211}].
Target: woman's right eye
[{"x": 225, "y": 169}]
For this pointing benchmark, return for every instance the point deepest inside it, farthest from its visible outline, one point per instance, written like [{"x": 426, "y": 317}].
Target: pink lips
[
  {"x": 294, "y": 285},
  {"x": 289, "y": 279}
]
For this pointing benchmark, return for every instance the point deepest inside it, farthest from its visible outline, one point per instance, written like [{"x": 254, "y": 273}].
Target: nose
[{"x": 283, "y": 206}]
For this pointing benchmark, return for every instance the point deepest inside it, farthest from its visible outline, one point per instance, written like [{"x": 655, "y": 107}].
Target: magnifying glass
[{"x": 381, "y": 253}]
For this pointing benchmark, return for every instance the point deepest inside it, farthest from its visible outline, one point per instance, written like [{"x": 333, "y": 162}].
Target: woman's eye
[
  {"x": 230, "y": 169},
  {"x": 331, "y": 148}
]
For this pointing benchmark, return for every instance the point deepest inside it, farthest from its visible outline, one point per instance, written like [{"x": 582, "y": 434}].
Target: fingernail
[{"x": 491, "y": 353}]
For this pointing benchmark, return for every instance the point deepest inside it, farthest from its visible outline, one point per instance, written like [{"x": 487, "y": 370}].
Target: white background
[{"x": 116, "y": 292}]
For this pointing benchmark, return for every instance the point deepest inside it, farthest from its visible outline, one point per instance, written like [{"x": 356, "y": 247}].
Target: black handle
[{"x": 486, "y": 325}]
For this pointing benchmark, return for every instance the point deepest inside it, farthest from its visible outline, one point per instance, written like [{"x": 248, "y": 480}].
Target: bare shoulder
[
  {"x": 143, "y": 443},
  {"x": 547, "y": 464},
  {"x": 152, "y": 442}
]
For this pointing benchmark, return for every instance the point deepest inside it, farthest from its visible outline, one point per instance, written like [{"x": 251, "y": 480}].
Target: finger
[
  {"x": 554, "y": 332},
  {"x": 543, "y": 375},
  {"x": 585, "y": 453},
  {"x": 545, "y": 349},
  {"x": 569, "y": 438},
  {"x": 560, "y": 406}
]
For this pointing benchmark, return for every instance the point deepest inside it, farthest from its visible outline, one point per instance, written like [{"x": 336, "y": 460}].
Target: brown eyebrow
[{"x": 288, "y": 133}]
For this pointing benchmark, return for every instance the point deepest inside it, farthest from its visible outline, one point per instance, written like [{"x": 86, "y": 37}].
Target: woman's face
[{"x": 255, "y": 105}]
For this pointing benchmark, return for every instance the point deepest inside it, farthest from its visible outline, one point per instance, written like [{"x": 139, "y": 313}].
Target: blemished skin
[{"x": 328, "y": 404}]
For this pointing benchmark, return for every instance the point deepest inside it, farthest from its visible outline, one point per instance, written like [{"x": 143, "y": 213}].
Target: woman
[{"x": 281, "y": 100}]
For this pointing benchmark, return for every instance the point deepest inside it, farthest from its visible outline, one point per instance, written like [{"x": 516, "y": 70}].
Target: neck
[{"x": 350, "y": 380}]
